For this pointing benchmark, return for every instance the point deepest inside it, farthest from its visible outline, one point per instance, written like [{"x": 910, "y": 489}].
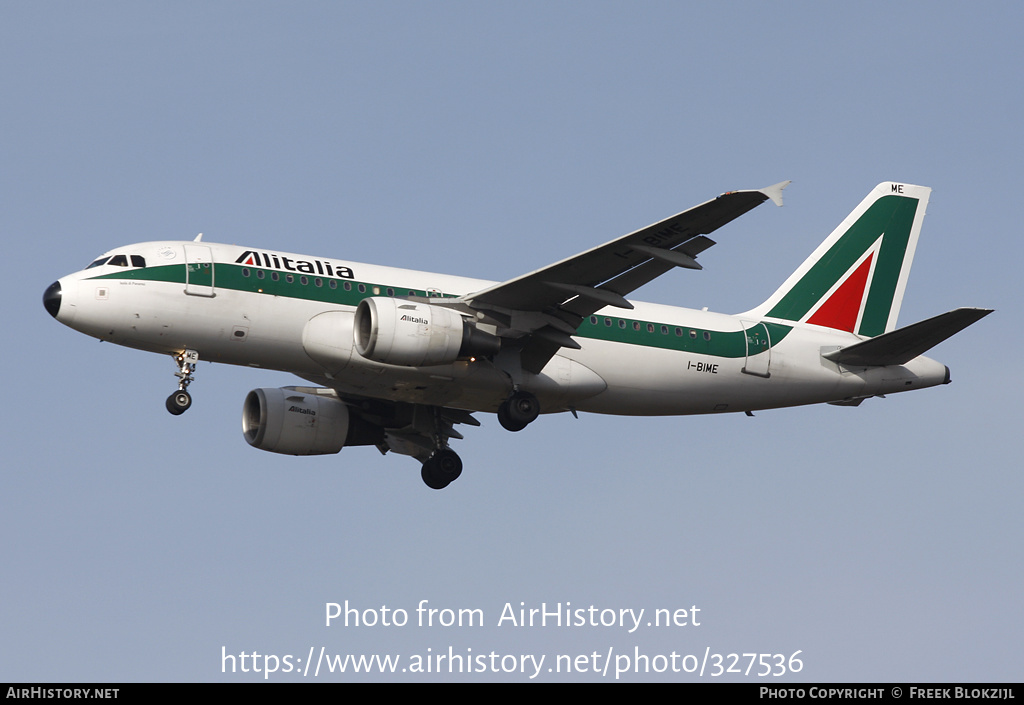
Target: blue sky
[{"x": 488, "y": 139}]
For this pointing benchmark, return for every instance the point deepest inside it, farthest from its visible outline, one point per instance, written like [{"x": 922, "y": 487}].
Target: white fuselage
[{"x": 237, "y": 306}]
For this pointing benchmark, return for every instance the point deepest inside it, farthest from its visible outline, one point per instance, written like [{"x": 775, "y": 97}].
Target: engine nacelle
[
  {"x": 400, "y": 332},
  {"x": 292, "y": 422}
]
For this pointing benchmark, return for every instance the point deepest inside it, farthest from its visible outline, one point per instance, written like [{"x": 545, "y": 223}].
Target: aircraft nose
[{"x": 51, "y": 299}]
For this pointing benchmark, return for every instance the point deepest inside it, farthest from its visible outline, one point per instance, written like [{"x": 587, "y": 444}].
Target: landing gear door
[
  {"x": 198, "y": 270},
  {"x": 759, "y": 349}
]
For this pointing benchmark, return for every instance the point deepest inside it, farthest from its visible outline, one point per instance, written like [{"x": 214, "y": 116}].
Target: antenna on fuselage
[{"x": 198, "y": 237}]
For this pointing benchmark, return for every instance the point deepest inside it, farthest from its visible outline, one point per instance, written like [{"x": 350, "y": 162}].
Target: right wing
[{"x": 545, "y": 307}]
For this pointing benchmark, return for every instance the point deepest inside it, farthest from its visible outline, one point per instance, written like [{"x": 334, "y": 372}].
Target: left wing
[
  {"x": 402, "y": 427},
  {"x": 546, "y": 307}
]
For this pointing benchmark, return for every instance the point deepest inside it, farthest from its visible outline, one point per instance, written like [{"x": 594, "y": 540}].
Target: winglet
[{"x": 774, "y": 191}]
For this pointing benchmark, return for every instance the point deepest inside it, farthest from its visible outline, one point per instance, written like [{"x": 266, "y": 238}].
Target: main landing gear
[
  {"x": 518, "y": 411},
  {"x": 179, "y": 402},
  {"x": 444, "y": 466},
  {"x": 441, "y": 469}
]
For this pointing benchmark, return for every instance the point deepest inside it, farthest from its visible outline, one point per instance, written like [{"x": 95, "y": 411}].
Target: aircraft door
[
  {"x": 759, "y": 350},
  {"x": 198, "y": 270}
]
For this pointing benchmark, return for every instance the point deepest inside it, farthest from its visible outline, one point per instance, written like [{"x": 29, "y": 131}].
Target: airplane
[{"x": 398, "y": 358}]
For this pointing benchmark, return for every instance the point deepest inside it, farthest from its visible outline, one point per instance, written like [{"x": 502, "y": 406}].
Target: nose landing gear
[{"x": 179, "y": 402}]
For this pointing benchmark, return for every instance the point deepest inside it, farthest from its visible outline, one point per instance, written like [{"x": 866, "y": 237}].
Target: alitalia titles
[{"x": 254, "y": 258}]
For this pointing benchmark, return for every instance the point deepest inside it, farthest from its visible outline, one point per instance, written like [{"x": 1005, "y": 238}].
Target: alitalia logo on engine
[
  {"x": 415, "y": 319},
  {"x": 300, "y": 410},
  {"x": 253, "y": 258}
]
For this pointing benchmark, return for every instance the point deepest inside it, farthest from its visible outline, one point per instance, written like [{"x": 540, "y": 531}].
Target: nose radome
[{"x": 51, "y": 299}]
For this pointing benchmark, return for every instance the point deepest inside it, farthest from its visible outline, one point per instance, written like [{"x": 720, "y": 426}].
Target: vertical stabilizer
[{"x": 855, "y": 280}]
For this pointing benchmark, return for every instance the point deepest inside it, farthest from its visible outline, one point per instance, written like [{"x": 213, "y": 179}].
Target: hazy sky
[{"x": 488, "y": 139}]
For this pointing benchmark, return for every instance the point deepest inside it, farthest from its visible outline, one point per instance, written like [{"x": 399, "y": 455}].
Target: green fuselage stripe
[{"x": 346, "y": 292}]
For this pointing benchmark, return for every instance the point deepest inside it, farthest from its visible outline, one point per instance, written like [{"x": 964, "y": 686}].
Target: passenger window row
[
  {"x": 650, "y": 327},
  {"x": 319, "y": 282}
]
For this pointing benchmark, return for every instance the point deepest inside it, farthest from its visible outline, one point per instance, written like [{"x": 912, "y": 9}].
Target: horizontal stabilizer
[{"x": 902, "y": 345}]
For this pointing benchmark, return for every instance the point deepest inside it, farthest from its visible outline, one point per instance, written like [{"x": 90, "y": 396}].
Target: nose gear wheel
[{"x": 179, "y": 402}]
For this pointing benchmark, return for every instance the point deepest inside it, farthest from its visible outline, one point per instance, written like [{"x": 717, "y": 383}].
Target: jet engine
[
  {"x": 400, "y": 332},
  {"x": 292, "y": 422}
]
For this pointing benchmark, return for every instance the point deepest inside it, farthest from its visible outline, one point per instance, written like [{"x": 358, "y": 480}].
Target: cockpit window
[{"x": 119, "y": 261}]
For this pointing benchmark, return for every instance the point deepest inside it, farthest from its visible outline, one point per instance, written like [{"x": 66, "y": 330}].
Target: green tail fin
[{"x": 855, "y": 280}]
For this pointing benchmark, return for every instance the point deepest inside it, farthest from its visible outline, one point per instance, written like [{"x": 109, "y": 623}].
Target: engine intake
[
  {"x": 399, "y": 332},
  {"x": 296, "y": 423}
]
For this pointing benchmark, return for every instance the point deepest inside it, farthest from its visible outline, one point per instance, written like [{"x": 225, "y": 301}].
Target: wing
[
  {"x": 408, "y": 429},
  {"x": 544, "y": 308},
  {"x": 421, "y": 429}
]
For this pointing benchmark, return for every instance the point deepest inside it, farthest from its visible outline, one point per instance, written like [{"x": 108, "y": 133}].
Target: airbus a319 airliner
[{"x": 399, "y": 358}]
